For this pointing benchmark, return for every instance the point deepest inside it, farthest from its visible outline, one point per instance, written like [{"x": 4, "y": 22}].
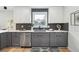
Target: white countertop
[
  {"x": 2, "y": 31},
  {"x": 57, "y": 31},
  {"x": 20, "y": 31}
]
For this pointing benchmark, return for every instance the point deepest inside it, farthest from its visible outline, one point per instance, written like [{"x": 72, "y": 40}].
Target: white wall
[
  {"x": 22, "y": 14},
  {"x": 56, "y": 14},
  {"x": 5, "y": 16},
  {"x": 73, "y": 40}
]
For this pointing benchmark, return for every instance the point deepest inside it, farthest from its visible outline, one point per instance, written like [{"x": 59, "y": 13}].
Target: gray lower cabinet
[
  {"x": 59, "y": 39},
  {"x": 36, "y": 39},
  {"x": 5, "y": 40},
  {"x": 8, "y": 39},
  {"x": 16, "y": 39},
  {"x": 40, "y": 39},
  {"x": 25, "y": 39}
]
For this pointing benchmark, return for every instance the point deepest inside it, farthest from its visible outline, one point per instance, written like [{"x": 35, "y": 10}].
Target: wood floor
[
  {"x": 11, "y": 49},
  {"x": 64, "y": 50}
]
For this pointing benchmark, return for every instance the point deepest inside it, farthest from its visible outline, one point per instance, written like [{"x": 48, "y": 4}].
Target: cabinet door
[
  {"x": 16, "y": 39},
  {"x": 35, "y": 40},
  {"x": 61, "y": 38},
  {"x": 44, "y": 38},
  {"x": 58, "y": 39},
  {"x": 3, "y": 40},
  {"x": 40, "y": 39},
  {"x": 8, "y": 38},
  {"x": 52, "y": 39}
]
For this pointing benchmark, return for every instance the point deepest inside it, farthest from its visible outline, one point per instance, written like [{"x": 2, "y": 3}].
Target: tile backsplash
[
  {"x": 23, "y": 26},
  {"x": 64, "y": 26},
  {"x": 28, "y": 26}
]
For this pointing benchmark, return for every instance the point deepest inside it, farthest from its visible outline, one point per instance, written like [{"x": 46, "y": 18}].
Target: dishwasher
[{"x": 25, "y": 40}]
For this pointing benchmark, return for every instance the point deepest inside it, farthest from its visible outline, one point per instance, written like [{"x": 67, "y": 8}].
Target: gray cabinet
[
  {"x": 40, "y": 39},
  {"x": 52, "y": 39},
  {"x": 8, "y": 38},
  {"x": 59, "y": 39},
  {"x": 5, "y": 40},
  {"x": 16, "y": 39},
  {"x": 25, "y": 39},
  {"x": 35, "y": 39},
  {"x": 44, "y": 39}
]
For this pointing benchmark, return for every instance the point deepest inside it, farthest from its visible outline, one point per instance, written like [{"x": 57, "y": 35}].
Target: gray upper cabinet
[
  {"x": 40, "y": 39},
  {"x": 59, "y": 39},
  {"x": 25, "y": 39},
  {"x": 16, "y": 39}
]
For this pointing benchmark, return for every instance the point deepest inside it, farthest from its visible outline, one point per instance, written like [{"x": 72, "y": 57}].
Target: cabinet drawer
[
  {"x": 40, "y": 33},
  {"x": 27, "y": 33}
]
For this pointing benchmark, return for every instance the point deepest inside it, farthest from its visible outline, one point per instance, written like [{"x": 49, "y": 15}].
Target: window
[{"x": 39, "y": 17}]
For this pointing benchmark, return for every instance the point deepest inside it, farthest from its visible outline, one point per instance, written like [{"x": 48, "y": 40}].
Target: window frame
[{"x": 38, "y": 10}]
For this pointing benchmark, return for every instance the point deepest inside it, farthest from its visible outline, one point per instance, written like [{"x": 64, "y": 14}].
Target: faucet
[{"x": 39, "y": 27}]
